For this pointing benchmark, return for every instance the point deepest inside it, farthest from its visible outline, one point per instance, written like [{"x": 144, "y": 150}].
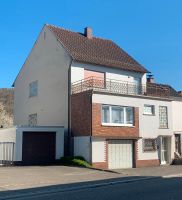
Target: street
[{"x": 159, "y": 188}]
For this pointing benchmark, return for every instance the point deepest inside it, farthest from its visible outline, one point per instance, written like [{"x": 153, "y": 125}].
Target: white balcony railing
[{"x": 119, "y": 87}]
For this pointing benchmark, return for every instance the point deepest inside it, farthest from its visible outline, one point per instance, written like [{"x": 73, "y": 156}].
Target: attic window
[{"x": 33, "y": 89}]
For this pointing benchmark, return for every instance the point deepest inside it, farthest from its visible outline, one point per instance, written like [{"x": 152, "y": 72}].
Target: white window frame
[
  {"x": 153, "y": 109},
  {"x": 161, "y": 124},
  {"x": 31, "y": 85},
  {"x": 30, "y": 118},
  {"x": 110, "y": 116}
]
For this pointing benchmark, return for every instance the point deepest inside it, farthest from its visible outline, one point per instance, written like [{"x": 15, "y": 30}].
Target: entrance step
[{"x": 177, "y": 161}]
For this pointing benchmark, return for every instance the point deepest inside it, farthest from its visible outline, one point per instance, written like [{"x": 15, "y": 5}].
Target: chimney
[
  {"x": 88, "y": 32},
  {"x": 150, "y": 78},
  {"x": 180, "y": 93}
]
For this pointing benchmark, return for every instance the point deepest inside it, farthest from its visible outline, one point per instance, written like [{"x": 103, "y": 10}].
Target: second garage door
[
  {"x": 38, "y": 148},
  {"x": 120, "y": 154}
]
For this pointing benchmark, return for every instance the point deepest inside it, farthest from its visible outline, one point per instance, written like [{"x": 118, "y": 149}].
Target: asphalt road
[{"x": 154, "y": 189}]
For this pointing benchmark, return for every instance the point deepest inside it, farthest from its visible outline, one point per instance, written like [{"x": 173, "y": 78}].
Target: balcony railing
[{"x": 119, "y": 87}]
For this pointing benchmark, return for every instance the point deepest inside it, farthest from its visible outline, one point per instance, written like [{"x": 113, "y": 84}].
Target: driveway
[{"x": 12, "y": 178}]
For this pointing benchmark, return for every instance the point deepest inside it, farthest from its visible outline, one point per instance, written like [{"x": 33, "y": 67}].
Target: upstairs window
[
  {"x": 163, "y": 117},
  {"x": 117, "y": 115},
  {"x": 33, "y": 89},
  {"x": 149, "y": 110},
  {"x": 32, "y": 120}
]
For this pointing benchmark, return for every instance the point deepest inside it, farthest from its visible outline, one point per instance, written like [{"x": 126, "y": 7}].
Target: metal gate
[{"x": 6, "y": 152}]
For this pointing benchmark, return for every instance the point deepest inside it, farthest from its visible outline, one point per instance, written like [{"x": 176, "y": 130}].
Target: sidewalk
[
  {"x": 16, "y": 178},
  {"x": 151, "y": 171}
]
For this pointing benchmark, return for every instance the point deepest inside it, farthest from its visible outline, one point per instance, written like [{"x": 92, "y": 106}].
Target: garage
[
  {"x": 120, "y": 154},
  {"x": 38, "y": 148}
]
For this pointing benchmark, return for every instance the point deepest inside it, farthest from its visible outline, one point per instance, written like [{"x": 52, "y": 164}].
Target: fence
[{"x": 6, "y": 152}]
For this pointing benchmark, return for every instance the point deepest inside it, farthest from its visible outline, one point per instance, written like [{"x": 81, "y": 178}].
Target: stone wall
[{"x": 6, "y": 107}]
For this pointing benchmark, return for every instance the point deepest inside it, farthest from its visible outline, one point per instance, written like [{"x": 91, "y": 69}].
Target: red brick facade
[
  {"x": 81, "y": 114},
  {"x": 113, "y": 131},
  {"x": 147, "y": 163}
]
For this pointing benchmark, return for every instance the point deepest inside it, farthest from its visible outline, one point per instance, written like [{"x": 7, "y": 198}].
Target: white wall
[
  {"x": 77, "y": 72},
  {"x": 16, "y": 135},
  {"x": 98, "y": 150},
  {"x": 148, "y": 125},
  {"x": 48, "y": 63},
  {"x": 177, "y": 116},
  {"x": 82, "y": 147},
  {"x": 59, "y": 139}
]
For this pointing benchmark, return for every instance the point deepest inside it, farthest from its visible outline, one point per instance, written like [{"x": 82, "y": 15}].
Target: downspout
[
  {"x": 69, "y": 109},
  {"x": 91, "y": 127}
]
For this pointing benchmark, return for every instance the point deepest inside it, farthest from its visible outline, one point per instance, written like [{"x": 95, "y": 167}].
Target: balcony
[{"x": 119, "y": 87}]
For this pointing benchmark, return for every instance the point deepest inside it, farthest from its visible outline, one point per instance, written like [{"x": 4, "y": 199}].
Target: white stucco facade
[
  {"x": 98, "y": 150},
  {"x": 77, "y": 73},
  {"x": 176, "y": 116},
  {"x": 48, "y": 64}
]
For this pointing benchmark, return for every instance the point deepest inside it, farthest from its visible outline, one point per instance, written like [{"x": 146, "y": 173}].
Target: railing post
[
  {"x": 92, "y": 82},
  {"x": 127, "y": 88},
  {"x": 110, "y": 85},
  {"x": 81, "y": 86}
]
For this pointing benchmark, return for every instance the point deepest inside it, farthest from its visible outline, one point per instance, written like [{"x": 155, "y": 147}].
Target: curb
[
  {"x": 103, "y": 170},
  {"x": 96, "y": 185}
]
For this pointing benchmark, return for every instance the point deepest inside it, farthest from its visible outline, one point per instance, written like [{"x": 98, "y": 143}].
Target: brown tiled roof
[
  {"x": 95, "y": 50},
  {"x": 162, "y": 89}
]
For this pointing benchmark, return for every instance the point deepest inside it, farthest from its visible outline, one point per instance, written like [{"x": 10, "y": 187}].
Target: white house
[{"x": 111, "y": 114}]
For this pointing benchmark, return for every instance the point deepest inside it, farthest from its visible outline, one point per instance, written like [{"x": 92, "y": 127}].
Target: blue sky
[{"x": 150, "y": 31}]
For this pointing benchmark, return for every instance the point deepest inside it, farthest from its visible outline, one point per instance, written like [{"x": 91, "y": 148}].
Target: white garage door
[{"x": 120, "y": 154}]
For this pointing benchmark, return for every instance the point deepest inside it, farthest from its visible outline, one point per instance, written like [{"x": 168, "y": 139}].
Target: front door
[
  {"x": 178, "y": 143},
  {"x": 164, "y": 150}
]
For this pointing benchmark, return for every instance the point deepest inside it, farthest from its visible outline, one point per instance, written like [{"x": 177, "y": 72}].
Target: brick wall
[
  {"x": 109, "y": 131},
  {"x": 147, "y": 163},
  {"x": 81, "y": 114},
  {"x": 6, "y": 107}
]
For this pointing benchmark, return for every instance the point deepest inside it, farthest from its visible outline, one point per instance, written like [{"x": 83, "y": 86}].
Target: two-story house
[{"x": 113, "y": 115}]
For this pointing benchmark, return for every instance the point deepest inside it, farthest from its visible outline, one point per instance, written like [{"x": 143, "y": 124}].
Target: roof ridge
[
  {"x": 108, "y": 52},
  {"x": 77, "y": 32}
]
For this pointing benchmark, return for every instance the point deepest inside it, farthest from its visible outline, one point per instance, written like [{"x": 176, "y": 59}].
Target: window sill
[
  {"x": 149, "y": 114},
  {"x": 149, "y": 151},
  {"x": 117, "y": 125},
  {"x": 163, "y": 128}
]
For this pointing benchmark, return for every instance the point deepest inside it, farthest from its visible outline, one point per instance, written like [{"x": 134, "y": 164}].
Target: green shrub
[{"x": 74, "y": 161}]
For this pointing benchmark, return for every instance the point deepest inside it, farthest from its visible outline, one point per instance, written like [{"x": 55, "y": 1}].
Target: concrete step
[{"x": 177, "y": 161}]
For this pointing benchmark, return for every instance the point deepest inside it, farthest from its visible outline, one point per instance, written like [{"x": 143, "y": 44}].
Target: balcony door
[
  {"x": 94, "y": 79},
  {"x": 137, "y": 85}
]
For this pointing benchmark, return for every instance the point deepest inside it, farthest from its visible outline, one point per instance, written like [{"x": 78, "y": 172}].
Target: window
[
  {"x": 117, "y": 115},
  {"x": 32, "y": 120},
  {"x": 33, "y": 89},
  {"x": 149, "y": 109},
  {"x": 149, "y": 145},
  {"x": 163, "y": 118},
  {"x": 105, "y": 114}
]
